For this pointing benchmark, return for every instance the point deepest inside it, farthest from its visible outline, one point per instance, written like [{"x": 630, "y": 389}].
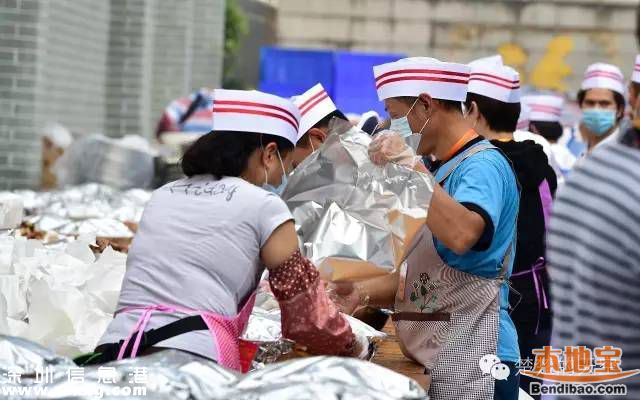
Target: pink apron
[{"x": 225, "y": 331}]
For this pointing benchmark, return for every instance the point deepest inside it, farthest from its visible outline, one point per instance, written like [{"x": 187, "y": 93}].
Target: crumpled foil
[
  {"x": 172, "y": 374},
  {"x": 90, "y": 208},
  {"x": 264, "y": 329},
  {"x": 355, "y": 219}
]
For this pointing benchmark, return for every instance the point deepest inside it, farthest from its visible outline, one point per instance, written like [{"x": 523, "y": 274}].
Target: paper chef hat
[
  {"x": 604, "y": 76},
  {"x": 491, "y": 60},
  {"x": 254, "y": 111},
  {"x": 415, "y": 75},
  {"x": 636, "y": 70},
  {"x": 523, "y": 119},
  {"x": 544, "y": 107},
  {"x": 498, "y": 82},
  {"x": 314, "y": 104}
]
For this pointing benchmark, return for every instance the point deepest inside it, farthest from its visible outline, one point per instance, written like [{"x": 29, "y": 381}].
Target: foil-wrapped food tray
[{"x": 35, "y": 372}]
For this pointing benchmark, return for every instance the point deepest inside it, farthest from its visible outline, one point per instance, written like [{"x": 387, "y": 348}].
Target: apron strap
[
  {"x": 506, "y": 259},
  {"x": 468, "y": 153}
]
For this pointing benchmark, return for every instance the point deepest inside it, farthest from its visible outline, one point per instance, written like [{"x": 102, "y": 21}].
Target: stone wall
[
  {"x": 550, "y": 42},
  {"x": 97, "y": 66}
]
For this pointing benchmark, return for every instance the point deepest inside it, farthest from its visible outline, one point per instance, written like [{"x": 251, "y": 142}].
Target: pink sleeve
[{"x": 309, "y": 317}]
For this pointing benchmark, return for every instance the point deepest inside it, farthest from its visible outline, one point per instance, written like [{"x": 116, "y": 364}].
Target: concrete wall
[
  {"x": 97, "y": 66},
  {"x": 261, "y": 19},
  {"x": 18, "y": 80},
  {"x": 550, "y": 42}
]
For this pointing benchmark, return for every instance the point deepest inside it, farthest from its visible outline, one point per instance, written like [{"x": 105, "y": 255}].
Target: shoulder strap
[
  {"x": 468, "y": 153},
  {"x": 506, "y": 260}
]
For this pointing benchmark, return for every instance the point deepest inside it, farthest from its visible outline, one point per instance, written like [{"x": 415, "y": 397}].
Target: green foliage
[{"x": 235, "y": 29}]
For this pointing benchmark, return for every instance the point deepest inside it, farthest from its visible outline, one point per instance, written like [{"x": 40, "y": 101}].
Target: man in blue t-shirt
[{"x": 472, "y": 213}]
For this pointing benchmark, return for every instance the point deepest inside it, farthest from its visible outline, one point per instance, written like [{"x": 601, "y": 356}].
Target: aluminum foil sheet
[
  {"x": 90, "y": 208},
  {"x": 355, "y": 219},
  {"x": 264, "y": 329},
  {"x": 173, "y": 374}
]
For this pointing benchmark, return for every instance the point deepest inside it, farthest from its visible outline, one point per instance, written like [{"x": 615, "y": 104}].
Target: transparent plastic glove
[
  {"x": 389, "y": 146},
  {"x": 345, "y": 296}
]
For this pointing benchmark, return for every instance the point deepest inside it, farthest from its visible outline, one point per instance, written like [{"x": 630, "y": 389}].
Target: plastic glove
[
  {"x": 345, "y": 295},
  {"x": 389, "y": 146}
]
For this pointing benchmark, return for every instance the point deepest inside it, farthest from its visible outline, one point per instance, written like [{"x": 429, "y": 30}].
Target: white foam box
[{"x": 11, "y": 210}]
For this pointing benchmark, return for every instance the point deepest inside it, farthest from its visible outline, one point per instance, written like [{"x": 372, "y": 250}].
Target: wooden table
[{"x": 389, "y": 355}]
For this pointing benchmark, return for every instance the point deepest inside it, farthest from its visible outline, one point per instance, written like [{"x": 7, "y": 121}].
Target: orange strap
[{"x": 466, "y": 138}]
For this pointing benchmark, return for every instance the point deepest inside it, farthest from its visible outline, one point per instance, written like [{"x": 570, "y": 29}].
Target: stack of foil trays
[{"x": 87, "y": 209}]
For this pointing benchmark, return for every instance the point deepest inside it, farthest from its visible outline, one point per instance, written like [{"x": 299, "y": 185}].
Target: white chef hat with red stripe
[
  {"x": 498, "y": 82},
  {"x": 495, "y": 59},
  {"x": 524, "y": 117},
  {"x": 415, "y": 75},
  {"x": 314, "y": 105},
  {"x": 544, "y": 107},
  {"x": 254, "y": 111},
  {"x": 603, "y": 76},
  {"x": 635, "y": 76}
]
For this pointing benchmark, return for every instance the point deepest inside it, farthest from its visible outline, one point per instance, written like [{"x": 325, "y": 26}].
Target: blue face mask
[
  {"x": 401, "y": 125},
  {"x": 598, "y": 121},
  {"x": 283, "y": 181}
]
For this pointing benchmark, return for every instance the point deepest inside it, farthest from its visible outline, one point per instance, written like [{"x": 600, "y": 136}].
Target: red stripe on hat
[
  {"x": 257, "y": 105},
  {"x": 312, "y": 98},
  {"x": 254, "y": 112},
  {"x": 422, "y": 78},
  {"x": 499, "y": 78},
  {"x": 506, "y": 86},
  {"x": 637, "y": 68},
  {"x": 603, "y": 74},
  {"x": 546, "y": 109},
  {"x": 315, "y": 103},
  {"x": 422, "y": 71}
]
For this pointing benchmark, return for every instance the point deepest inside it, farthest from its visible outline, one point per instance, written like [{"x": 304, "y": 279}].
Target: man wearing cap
[
  {"x": 544, "y": 120},
  {"x": 601, "y": 100},
  {"x": 493, "y": 101},
  {"x": 451, "y": 298},
  {"x": 316, "y": 110}
]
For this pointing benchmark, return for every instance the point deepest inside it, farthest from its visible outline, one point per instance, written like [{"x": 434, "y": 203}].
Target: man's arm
[{"x": 453, "y": 224}]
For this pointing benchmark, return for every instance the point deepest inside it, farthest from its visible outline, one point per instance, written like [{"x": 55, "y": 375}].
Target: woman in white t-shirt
[{"x": 204, "y": 241}]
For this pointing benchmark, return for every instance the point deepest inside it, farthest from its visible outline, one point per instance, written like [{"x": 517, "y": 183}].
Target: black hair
[
  {"x": 324, "y": 122},
  {"x": 500, "y": 116},
  {"x": 226, "y": 153},
  {"x": 617, "y": 97},
  {"x": 636, "y": 88},
  {"x": 448, "y": 105},
  {"x": 550, "y": 130}
]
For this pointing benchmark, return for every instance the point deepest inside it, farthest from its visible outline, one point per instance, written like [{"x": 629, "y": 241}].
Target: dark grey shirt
[{"x": 593, "y": 249}]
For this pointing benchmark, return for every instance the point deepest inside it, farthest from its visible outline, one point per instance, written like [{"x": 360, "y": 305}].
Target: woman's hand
[{"x": 345, "y": 295}]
